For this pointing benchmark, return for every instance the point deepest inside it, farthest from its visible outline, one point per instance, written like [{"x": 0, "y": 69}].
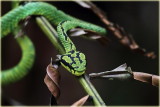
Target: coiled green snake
[{"x": 73, "y": 60}]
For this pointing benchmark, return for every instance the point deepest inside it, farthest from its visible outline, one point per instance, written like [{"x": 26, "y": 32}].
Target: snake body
[
  {"x": 73, "y": 60},
  {"x": 28, "y": 55}
]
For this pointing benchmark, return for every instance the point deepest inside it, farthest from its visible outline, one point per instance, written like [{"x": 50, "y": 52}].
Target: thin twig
[
  {"x": 50, "y": 32},
  {"x": 89, "y": 88}
]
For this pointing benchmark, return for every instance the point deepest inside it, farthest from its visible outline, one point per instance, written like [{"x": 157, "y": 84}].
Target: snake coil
[{"x": 73, "y": 60}]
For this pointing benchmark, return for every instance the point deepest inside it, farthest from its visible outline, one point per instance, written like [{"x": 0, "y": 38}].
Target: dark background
[{"x": 138, "y": 18}]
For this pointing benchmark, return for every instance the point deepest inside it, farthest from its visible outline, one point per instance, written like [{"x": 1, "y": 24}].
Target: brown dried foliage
[
  {"x": 124, "y": 73},
  {"x": 52, "y": 79},
  {"x": 81, "y": 101},
  {"x": 145, "y": 77},
  {"x": 89, "y": 34},
  {"x": 118, "y": 31}
]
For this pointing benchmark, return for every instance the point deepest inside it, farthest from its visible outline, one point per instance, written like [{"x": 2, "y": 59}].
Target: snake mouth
[
  {"x": 78, "y": 73},
  {"x": 82, "y": 69},
  {"x": 74, "y": 70}
]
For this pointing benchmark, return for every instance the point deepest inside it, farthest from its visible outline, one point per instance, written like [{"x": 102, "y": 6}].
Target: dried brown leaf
[
  {"x": 83, "y": 4},
  {"x": 120, "y": 73},
  {"x": 81, "y": 101},
  {"x": 118, "y": 31},
  {"x": 89, "y": 34},
  {"x": 77, "y": 32},
  {"x": 53, "y": 74},
  {"x": 145, "y": 77},
  {"x": 52, "y": 79}
]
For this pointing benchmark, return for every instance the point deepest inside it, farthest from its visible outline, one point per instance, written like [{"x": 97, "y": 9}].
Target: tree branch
[{"x": 84, "y": 81}]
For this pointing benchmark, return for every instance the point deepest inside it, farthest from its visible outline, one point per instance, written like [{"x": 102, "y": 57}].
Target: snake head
[{"x": 74, "y": 62}]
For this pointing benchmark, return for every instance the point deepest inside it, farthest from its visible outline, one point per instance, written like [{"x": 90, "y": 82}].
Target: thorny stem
[{"x": 84, "y": 81}]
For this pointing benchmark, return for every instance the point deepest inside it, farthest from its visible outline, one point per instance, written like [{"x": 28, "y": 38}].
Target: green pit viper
[{"x": 74, "y": 61}]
